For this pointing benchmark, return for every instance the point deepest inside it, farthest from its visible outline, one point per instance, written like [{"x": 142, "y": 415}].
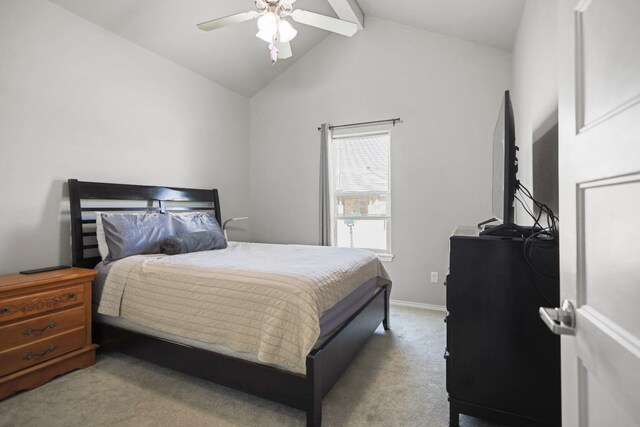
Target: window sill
[{"x": 385, "y": 257}]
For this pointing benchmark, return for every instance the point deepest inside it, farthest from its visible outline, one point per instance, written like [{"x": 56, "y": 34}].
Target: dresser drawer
[
  {"x": 26, "y": 331},
  {"x": 39, "y": 351},
  {"x": 28, "y": 305}
]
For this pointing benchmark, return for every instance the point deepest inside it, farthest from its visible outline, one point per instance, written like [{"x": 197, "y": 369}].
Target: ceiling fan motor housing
[{"x": 280, "y": 8}]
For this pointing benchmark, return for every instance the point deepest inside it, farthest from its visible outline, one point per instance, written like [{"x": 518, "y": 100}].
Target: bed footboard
[{"x": 327, "y": 363}]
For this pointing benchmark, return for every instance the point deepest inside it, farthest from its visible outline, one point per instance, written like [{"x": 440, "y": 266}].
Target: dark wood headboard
[{"x": 86, "y": 198}]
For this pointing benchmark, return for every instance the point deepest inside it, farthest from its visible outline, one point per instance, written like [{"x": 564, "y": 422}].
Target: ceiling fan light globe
[
  {"x": 286, "y": 31},
  {"x": 268, "y": 23},
  {"x": 265, "y": 35}
]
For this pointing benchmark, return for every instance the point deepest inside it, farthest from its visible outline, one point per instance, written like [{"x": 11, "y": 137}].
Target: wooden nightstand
[{"x": 45, "y": 327}]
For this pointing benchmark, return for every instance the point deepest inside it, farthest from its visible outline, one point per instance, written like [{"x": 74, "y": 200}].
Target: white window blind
[{"x": 361, "y": 191}]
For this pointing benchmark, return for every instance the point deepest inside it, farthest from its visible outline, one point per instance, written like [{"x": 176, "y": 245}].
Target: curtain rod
[{"x": 365, "y": 123}]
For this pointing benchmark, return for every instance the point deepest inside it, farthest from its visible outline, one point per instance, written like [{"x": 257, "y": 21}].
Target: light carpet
[{"x": 397, "y": 380}]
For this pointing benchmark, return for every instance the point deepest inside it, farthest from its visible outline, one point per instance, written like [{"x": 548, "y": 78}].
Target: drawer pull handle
[
  {"x": 4, "y": 309},
  {"x": 30, "y": 331},
  {"x": 31, "y": 355}
]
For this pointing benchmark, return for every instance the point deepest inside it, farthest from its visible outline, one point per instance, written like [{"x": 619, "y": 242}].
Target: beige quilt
[{"x": 263, "y": 299}]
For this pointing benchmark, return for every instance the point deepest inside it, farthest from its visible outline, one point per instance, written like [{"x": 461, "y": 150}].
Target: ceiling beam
[{"x": 348, "y": 10}]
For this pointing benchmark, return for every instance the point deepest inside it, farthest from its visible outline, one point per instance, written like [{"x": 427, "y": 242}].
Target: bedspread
[{"x": 258, "y": 298}]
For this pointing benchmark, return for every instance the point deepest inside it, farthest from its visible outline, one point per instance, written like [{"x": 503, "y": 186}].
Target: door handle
[{"x": 560, "y": 320}]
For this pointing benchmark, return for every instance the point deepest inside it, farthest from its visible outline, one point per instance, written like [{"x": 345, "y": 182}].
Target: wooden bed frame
[{"x": 324, "y": 364}]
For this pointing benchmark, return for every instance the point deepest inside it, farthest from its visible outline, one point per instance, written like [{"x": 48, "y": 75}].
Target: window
[{"x": 361, "y": 192}]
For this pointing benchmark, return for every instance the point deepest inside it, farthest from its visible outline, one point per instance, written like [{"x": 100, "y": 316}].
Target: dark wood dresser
[
  {"x": 45, "y": 327},
  {"x": 503, "y": 363}
]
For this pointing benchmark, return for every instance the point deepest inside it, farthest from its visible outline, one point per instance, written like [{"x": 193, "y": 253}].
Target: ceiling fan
[{"x": 274, "y": 29}]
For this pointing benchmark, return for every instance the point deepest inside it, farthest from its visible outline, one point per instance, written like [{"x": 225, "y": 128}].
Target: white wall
[
  {"x": 535, "y": 83},
  {"x": 447, "y": 92},
  {"x": 77, "y": 101}
]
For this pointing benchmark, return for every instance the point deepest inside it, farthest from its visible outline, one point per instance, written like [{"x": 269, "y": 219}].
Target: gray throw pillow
[
  {"x": 184, "y": 243},
  {"x": 134, "y": 234},
  {"x": 199, "y": 221}
]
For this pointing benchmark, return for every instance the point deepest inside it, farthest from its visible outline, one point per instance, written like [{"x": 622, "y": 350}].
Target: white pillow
[{"x": 102, "y": 240}]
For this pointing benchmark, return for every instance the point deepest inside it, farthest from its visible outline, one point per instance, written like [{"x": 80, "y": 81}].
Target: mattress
[
  {"x": 330, "y": 320},
  {"x": 265, "y": 303}
]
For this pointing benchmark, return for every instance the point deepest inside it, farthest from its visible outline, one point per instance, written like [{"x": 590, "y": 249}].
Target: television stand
[
  {"x": 508, "y": 230},
  {"x": 502, "y": 363},
  {"x": 489, "y": 221}
]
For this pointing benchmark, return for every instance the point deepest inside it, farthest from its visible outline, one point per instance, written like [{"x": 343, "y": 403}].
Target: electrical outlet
[{"x": 434, "y": 277}]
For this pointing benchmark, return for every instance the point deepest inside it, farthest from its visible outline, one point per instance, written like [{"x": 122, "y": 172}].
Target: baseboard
[{"x": 419, "y": 305}]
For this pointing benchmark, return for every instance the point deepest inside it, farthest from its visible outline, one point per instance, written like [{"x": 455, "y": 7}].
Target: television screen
[
  {"x": 505, "y": 164},
  {"x": 505, "y": 168},
  {"x": 497, "y": 196}
]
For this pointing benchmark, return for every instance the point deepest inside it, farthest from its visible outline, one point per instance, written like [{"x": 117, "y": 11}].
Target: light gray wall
[
  {"x": 535, "y": 83},
  {"x": 77, "y": 101},
  {"x": 448, "y": 93}
]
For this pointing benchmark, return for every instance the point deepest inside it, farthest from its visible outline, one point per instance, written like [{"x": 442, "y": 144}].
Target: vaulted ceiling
[
  {"x": 491, "y": 22},
  {"x": 235, "y": 58}
]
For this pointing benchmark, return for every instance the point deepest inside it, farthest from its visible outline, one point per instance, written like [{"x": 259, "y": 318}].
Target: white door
[{"x": 599, "y": 173}]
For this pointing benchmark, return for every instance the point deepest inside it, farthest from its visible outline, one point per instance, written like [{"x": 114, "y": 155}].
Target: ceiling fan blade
[
  {"x": 324, "y": 22},
  {"x": 284, "y": 50},
  {"x": 228, "y": 20}
]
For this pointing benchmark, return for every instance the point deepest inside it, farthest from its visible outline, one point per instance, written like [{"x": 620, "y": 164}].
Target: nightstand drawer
[
  {"x": 37, "y": 303},
  {"x": 27, "y": 331},
  {"x": 39, "y": 351}
]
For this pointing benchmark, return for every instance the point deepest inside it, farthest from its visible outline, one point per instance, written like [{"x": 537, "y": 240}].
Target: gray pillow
[
  {"x": 184, "y": 243},
  {"x": 199, "y": 221},
  {"x": 134, "y": 234}
]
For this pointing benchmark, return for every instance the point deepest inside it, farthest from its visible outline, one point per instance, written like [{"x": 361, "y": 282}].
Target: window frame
[{"x": 386, "y": 254}]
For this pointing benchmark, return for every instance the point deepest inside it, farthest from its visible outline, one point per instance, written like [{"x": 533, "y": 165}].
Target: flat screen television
[{"x": 505, "y": 169}]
